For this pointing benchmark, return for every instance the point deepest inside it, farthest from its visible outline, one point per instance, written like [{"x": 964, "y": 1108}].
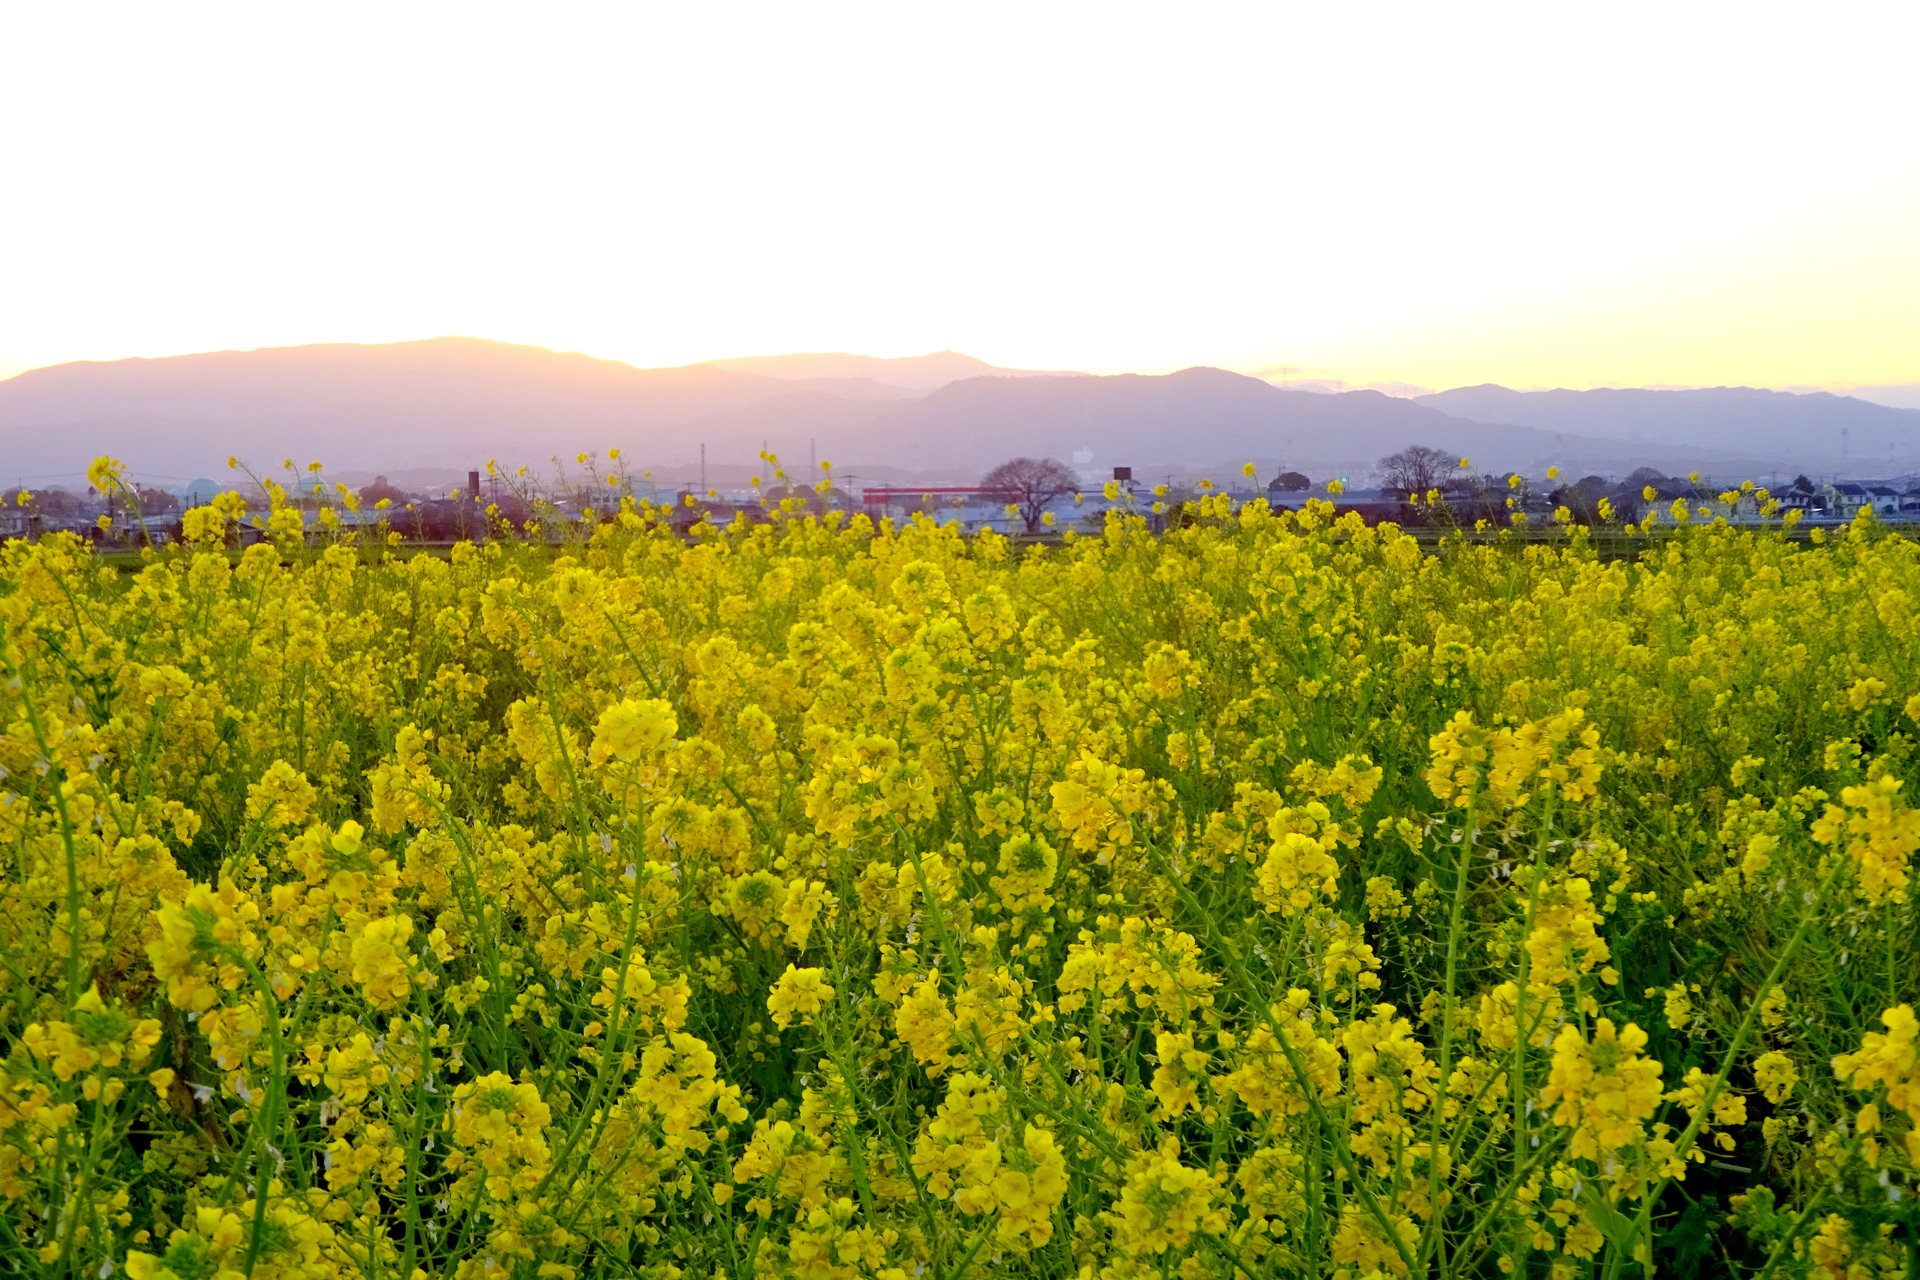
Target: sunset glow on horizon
[{"x": 1633, "y": 195}]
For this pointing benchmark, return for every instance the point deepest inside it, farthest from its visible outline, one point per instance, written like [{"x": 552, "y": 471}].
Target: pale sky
[{"x": 1535, "y": 194}]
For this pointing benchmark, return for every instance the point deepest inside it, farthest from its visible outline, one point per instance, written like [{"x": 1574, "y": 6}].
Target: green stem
[
  {"x": 1517, "y": 1073},
  {"x": 1684, "y": 1145},
  {"x": 55, "y": 774},
  {"x": 1308, "y": 1093},
  {"x": 269, "y": 1122},
  {"x": 1781, "y": 1249},
  {"x": 1431, "y": 1235}
]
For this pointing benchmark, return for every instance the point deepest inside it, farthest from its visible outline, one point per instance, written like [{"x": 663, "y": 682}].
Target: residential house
[
  {"x": 1811, "y": 505},
  {"x": 1846, "y": 497}
]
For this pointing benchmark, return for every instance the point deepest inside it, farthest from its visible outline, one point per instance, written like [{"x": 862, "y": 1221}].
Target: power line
[{"x": 132, "y": 475}]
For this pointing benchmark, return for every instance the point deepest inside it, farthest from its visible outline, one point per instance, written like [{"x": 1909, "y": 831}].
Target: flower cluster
[{"x": 1604, "y": 1089}]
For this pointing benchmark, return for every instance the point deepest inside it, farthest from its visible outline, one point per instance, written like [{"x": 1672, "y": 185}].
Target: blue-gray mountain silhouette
[
  {"x": 459, "y": 401},
  {"x": 1790, "y": 427}
]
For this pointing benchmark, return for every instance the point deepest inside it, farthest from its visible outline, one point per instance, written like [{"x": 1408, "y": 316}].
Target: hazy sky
[{"x": 1532, "y": 193}]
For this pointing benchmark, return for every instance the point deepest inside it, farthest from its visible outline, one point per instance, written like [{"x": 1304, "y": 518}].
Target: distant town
[{"x": 1023, "y": 496}]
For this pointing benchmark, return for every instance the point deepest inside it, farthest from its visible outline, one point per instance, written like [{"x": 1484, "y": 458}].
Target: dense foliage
[{"x": 1274, "y": 897}]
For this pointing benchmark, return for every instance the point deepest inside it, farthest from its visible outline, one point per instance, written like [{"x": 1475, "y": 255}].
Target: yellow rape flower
[
  {"x": 1604, "y": 1090},
  {"x": 633, "y": 728},
  {"x": 1880, "y": 833},
  {"x": 1297, "y": 870},
  {"x": 381, "y": 960},
  {"x": 1164, "y": 1203},
  {"x": 798, "y": 994},
  {"x": 1889, "y": 1060}
]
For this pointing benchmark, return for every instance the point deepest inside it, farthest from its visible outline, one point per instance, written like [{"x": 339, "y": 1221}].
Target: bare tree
[
  {"x": 1289, "y": 482},
  {"x": 372, "y": 495},
  {"x": 46, "y": 502},
  {"x": 1030, "y": 484},
  {"x": 1582, "y": 498},
  {"x": 155, "y": 502},
  {"x": 1415, "y": 469}
]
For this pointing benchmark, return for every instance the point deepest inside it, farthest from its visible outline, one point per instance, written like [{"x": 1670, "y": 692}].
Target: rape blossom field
[{"x": 832, "y": 900}]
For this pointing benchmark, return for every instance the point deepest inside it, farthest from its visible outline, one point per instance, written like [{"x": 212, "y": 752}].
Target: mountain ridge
[
  {"x": 1791, "y": 424},
  {"x": 458, "y": 401}
]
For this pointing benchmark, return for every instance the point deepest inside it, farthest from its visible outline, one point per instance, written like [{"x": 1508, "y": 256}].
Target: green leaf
[{"x": 1621, "y": 1232}]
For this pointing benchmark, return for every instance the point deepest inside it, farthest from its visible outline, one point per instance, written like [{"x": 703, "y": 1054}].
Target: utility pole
[{"x": 703, "y": 467}]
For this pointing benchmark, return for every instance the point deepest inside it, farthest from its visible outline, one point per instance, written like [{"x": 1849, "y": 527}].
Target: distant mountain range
[
  {"x": 1193, "y": 418},
  {"x": 446, "y": 404},
  {"x": 1839, "y": 430}
]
